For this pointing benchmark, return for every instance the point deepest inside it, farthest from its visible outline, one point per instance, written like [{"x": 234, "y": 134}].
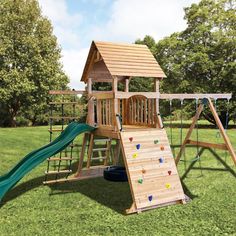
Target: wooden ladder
[
  {"x": 92, "y": 140},
  {"x": 92, "y": 149}
]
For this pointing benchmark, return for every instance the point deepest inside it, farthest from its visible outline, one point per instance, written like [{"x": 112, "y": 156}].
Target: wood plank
[
  {"x": 134, "y": 66},
  {"x": 147, "y": 166},
  {"x": 196, "y": 96},
  {"x": 222, "y": 131},
  {"x": 194, "y": 121},
  {"x": 110, "y": 44},
  {"x": 140, "y": 74},
  {"x": 126, "y": 95},
  {"x": 221, "y": 146},
  {"x": 66, "y": 92}
]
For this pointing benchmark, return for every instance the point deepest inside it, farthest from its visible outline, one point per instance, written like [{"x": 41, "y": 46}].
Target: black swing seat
[{"x": 115, "y": 173}]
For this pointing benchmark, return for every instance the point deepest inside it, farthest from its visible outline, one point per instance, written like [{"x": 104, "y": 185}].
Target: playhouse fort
[{"x": 131, "y": 120}]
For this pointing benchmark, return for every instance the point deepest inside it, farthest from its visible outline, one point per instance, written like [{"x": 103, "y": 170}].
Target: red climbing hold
[
  {"x": 169, "y": 172},
  {"x": 143, "y": 171},
  {"x": 162, "y": 148},
  {"x": 131, "y": 139}
]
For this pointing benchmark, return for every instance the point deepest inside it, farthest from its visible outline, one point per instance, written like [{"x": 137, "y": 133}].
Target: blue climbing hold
[
  {"x": 138, "y": 146},
  {"x": 150, "y": 198},
  {"x": 161, "y": 160}
]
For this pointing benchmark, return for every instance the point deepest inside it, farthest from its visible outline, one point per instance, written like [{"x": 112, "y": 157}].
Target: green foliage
[
  {"x": 29, "y": 60},
  {"x": 96, "y": 206},
  {"x": 202, "y": 58}
]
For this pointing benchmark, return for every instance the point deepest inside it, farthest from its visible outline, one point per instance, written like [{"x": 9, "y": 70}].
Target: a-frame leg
[
  {"x": 222, "y": 131},
  {"x": 195, "y": 119}
]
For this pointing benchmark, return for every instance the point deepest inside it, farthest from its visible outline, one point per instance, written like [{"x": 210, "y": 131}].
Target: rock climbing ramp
[{"x": 151, "y": 169}]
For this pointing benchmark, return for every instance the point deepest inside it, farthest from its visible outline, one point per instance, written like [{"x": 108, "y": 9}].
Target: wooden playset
[{"x": 133, "y": 122}]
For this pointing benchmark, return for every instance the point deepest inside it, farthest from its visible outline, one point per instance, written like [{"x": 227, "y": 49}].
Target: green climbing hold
[
  {"x": 156, "y": 141},
  {"x": 140, "y": 181}
]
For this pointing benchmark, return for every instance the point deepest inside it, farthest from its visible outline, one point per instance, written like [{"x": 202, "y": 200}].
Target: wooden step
[
  {"x": 53, "y": 172},
  {"x": 100, "y": 149},
  {"x": 99, "y": 158},
  {"x": 102, "y": 140},
  {"x": 55, "y": 130}
]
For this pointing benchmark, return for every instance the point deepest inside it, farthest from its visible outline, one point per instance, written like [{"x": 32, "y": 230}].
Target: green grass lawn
[{"x": 96, "y": 206}]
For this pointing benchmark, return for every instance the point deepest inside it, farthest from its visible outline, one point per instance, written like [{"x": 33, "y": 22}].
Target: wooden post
[
  {"x": 90, "y": 117},
  {"x": 81, "y": 159},
  {"x": 158, "y": 122},
  {"x": 222, "y": 131},
  {"x": 196, "y": 117},
  {"x": 126, "y": 107},
  {"x": 115, "y": 101}
]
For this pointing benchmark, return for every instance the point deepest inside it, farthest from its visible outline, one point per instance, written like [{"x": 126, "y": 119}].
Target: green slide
[{"x": 34, "y": 158}]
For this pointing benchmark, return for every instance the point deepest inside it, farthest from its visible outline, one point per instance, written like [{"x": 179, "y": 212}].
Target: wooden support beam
[
  {"x": 90, "y": 115},
  {"x": 102, "y": 95},
  {"x": 181, "y": 96},
  {"x": 221, "y": 146},
  {"x": 66, "y": 92},
  {"x": 222, "y": 131},
  {"x": 81, "y": 159},
  {"x": 126, "y": 95},
  {"x": 196, "y": 117},
  {"x": 90, "y": 150},
  {"x": 115, "y": 102}
]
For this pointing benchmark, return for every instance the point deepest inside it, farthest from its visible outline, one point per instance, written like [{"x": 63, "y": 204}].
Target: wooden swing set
[{"x": 133, "y": 121}]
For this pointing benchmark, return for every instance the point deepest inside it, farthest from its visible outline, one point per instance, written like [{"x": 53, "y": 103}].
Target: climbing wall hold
[
  {"x": 150, "y": 198},
  {"x": 140, "y": 181},
  {"x": 135, "y": 155},
  {"x": 131, "y": 139},
  {"x": 143, "y": 171},
  {"x": 168, "y": 185},
  {"x": 156, "y": 141},
  {"x": 138, "y": 146},
  {"x": 162, "y": 148},
  {"x": 161, "y": 160},
  {"x": 169, "y": 172}
]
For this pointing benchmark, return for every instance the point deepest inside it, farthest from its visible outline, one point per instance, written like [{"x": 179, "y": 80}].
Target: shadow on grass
[{"x": 115, "y": 195}]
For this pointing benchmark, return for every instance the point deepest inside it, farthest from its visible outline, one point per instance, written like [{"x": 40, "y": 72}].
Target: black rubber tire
[{"x": 115, "y": 174}]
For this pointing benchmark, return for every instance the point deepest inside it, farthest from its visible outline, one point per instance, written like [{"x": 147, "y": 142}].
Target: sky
[{"x": 77, "y": 22}]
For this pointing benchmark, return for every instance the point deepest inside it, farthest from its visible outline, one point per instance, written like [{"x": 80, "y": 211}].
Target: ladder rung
[
  {"x": 100, "y": 149},
  {"x": 55, "y": 130},
  {"x": 102, "y": 140},
  {"x": 60, "y": 103},
  {"x": 99, "y": 158},
  {"x": 61, "y": 159},
  {"x": 57, "y": 172}
]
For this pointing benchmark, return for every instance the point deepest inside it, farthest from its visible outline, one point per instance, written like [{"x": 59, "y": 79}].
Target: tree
[
  {"x": 29, "y": 60},
  {"x": 202, "y": 58}
]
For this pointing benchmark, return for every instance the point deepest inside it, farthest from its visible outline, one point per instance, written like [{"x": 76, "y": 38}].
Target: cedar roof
[{"x": 123, "y": 60}]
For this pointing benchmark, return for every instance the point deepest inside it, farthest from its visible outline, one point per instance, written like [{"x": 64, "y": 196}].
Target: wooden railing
[
  {"x": 104, "y": 112},
  {"x": 141, "y": 111}
]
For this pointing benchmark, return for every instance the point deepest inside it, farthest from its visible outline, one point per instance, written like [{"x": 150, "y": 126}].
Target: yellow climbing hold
[
  {"x": 135, "y": 155},
  {"x": 168, "y": 185}
]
